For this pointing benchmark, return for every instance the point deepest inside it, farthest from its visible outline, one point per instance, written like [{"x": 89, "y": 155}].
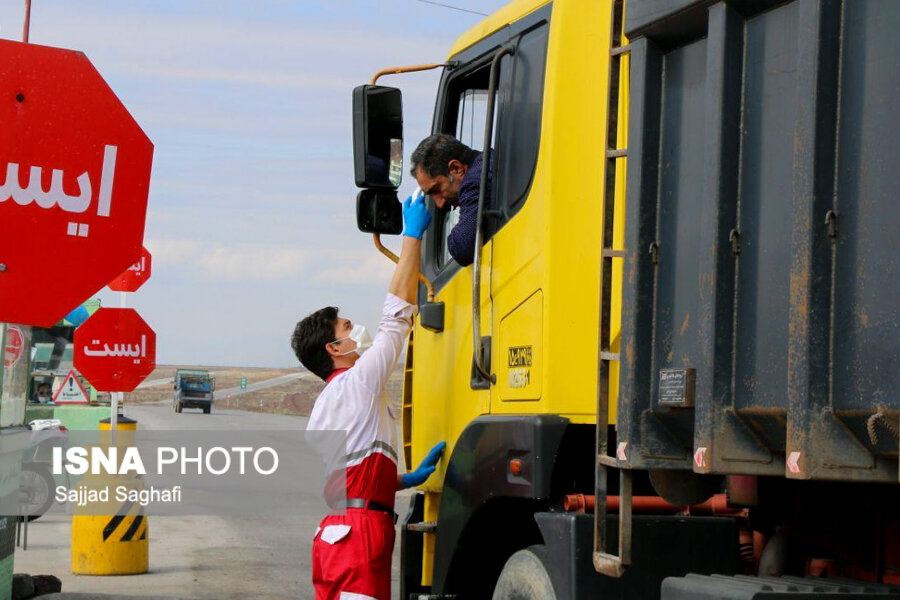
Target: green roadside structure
[{"x": 37, "y": 361}]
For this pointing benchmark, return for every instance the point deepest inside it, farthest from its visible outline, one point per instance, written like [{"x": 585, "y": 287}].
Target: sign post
[
  {"x": 130, "y": 280},
  {"x": 77, "y": 170}
]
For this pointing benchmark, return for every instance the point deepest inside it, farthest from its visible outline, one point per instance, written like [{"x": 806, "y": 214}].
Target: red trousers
[{"x": 351, "y": 556}]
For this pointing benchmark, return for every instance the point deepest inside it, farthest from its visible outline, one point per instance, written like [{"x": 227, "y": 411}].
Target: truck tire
[
  {"x": 526, "y": 576},
  {"x": 207, "y": 409},
  {"x": 178, "y": 407}
]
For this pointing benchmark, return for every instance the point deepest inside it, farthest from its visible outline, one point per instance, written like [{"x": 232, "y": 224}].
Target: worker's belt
[{"x": 370, "y": 505}]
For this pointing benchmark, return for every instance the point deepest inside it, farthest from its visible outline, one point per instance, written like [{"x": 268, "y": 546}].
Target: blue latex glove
[
  {"x": 426, "y": 467},
  {"x": 416, "y": 217}
]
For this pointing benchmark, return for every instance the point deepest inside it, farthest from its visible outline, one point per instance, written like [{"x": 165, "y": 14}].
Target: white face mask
[{"x": 360, "y": 335}]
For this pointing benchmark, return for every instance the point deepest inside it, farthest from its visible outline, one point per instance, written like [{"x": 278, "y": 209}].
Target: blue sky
[{"x": 251, "y": 217}]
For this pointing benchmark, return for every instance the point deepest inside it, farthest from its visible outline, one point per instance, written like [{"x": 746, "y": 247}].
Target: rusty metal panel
[
  {"x": 867, "y": 266},
  {"x": 846, "y": 416},
  {"x": 763, "y": 254}
]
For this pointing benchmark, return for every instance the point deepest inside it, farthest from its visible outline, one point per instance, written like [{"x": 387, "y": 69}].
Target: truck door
[
  {"x": 448, "y": 392},
  {"x": 445, "y": 388},
  {"x": 446, "y": 395}
]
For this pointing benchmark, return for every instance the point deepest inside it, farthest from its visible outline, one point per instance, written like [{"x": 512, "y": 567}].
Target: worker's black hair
[
  {"x": 435, "y": 152},
  {"x": 309, "y": 340}
]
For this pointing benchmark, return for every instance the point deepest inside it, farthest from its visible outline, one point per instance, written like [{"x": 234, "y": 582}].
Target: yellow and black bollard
[
  {"x": 123, "y": 423},
  {"x": 117, "y": 544}
]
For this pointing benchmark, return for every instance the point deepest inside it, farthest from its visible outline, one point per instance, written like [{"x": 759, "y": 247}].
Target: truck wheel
[
  {"x": 178, "y": 407},
  {"x": 526, "y": 576},
  {"x": 206, "y": 409}
]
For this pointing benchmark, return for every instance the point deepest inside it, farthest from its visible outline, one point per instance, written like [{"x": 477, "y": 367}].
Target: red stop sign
[
  {"x": 75, "y": 172},
  {"x": 115, "y": 349},
  {"x": 134, "y": 276},
  {"x": 15, "y": 344}
]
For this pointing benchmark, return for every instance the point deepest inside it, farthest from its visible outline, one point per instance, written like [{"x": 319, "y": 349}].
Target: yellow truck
[{"x": 677, "y": 380}]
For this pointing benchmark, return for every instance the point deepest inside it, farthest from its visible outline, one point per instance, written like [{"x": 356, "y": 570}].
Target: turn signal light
[{"x": 516, "y": 467}]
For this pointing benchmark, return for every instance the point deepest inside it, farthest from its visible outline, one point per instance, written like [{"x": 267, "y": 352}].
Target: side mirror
[
  {"x": 377, "y": 137},
  {"x": 379, "y": 211}
]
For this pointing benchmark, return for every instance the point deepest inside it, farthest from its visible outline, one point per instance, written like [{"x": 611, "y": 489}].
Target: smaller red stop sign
[
  {"x": 115, "y": 349},
  {"x": 15, "y": 344},
  {"x": 134, "y": 276}
]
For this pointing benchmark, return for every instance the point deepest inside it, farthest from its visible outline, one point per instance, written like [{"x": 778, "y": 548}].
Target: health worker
[{"x": 351, "y": 556}]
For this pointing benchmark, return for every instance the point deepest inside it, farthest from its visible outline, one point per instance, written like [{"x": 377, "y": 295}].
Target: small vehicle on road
[{"x": 194, "y": 388}]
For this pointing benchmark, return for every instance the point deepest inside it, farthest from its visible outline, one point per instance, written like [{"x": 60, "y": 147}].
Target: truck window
[
  {"x": 470, "y": 120},
  {"x": 517, "y": 120},
  {"x": 471, "y": 110},
  {"x": 520, "y": 125}
]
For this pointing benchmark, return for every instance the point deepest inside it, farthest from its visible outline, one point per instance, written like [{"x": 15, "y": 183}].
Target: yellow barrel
[
  {"x": 117, "y": 544},
  {"x": 123, "y": 423}
]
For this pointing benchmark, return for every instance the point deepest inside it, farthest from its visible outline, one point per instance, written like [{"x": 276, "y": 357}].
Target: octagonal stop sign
[
  {"x": 134, "y": 276},
  {"x": 75, "y": 173},
  {"x": 115, "y": 349}
]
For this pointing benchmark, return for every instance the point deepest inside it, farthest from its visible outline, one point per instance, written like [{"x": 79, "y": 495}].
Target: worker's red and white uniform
[{"x": 352, "y": 552}]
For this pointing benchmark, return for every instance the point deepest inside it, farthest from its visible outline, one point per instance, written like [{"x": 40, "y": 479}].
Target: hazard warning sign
[{"x": 71, "y": 391}]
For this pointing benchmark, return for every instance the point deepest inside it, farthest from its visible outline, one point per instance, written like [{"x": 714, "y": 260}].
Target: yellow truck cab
[
  {"x": 540, "y": 282},
  {"x": 702, "y": 294}
]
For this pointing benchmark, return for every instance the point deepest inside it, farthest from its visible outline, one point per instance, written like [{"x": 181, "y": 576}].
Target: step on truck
[
  {"x": 673, "y": 370},
  {"x": 194, "y": 388}
]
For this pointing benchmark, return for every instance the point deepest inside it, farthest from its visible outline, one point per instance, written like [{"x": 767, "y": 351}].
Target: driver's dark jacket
[{"x": 461, "y": 241}]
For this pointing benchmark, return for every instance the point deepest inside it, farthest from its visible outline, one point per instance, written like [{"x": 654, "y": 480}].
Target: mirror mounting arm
[
  {"x": 408, "y": 69},
  {"x": 381, "y": 248}
]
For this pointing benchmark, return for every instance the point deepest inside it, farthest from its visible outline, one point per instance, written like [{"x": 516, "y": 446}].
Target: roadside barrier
[{"x": 116, "y": 544}]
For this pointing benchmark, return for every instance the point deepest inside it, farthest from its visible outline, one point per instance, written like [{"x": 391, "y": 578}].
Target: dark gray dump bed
[{"x": 763, "y": 239}]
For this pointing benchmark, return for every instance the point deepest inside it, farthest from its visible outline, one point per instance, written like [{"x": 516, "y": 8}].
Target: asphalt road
[{"x": 201, "y": 556}]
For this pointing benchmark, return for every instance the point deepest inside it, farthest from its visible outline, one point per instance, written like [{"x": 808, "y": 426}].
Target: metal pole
[
  {"x": 117, "y": 397},
  {"x": 27, "y": 25}
]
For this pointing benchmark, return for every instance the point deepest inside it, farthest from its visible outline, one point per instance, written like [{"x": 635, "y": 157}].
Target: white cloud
[
  {"x": 172, "y": 252},
  {"x": 253, "y": 262},
  {"x": 354, "y": 268},
  {"x": 230, "y": 262}
]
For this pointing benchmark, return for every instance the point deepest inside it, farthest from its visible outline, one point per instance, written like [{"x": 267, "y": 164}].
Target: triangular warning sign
[{"x": 71, "y": 391}]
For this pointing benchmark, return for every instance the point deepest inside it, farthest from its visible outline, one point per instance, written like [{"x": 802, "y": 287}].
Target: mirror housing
[
  {"x": 379, "y": 211},
  {"x": 377, "y": 137}
]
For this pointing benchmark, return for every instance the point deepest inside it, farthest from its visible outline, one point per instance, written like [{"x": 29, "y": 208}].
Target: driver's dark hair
[
  {"x": 435, "y": 152},
  {"x": 309, "y": 340}
]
